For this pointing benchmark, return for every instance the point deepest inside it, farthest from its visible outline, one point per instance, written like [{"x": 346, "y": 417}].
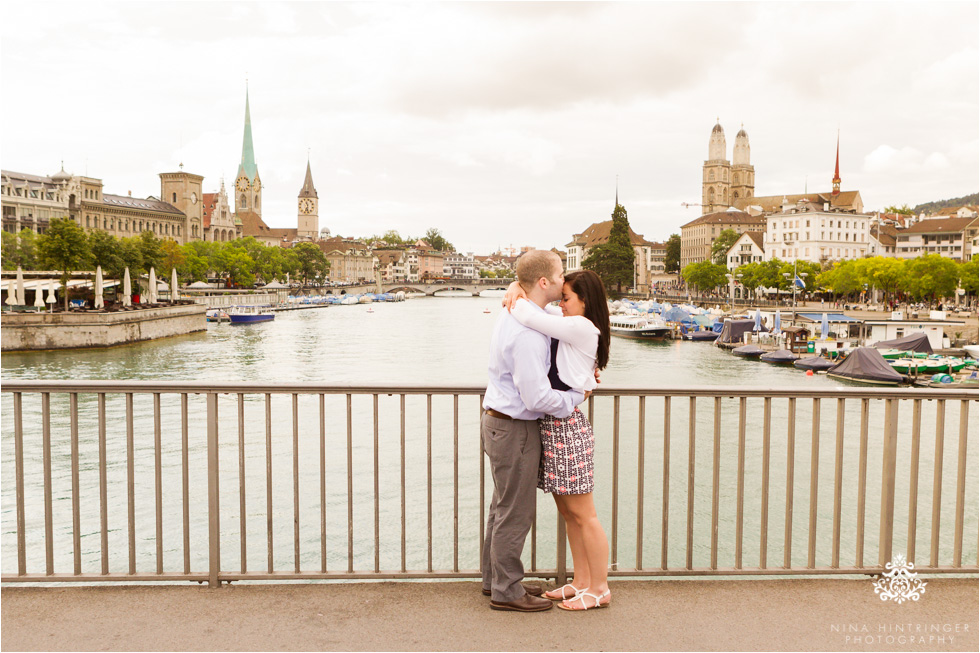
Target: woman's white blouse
[{"x": 578, "y": 341}]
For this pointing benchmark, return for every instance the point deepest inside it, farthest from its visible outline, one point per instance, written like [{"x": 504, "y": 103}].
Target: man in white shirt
[{"x": 517, "y": 395}]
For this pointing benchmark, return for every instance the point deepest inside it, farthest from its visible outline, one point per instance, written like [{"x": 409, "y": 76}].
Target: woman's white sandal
[
  {"x": 563, "y": 597},
  {"x": 581, "y": 597}
]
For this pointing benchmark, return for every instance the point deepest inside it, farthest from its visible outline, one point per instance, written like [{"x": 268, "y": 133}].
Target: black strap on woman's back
[{"x": 556, "y": 383}]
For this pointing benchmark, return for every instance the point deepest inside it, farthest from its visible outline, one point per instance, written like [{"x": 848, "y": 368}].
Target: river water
[{"x": 443, "y": 341}]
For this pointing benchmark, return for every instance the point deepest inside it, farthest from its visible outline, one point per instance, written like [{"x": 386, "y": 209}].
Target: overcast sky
[{"x": 498, "y": 123}]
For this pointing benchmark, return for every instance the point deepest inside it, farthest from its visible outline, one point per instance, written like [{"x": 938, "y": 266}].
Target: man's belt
[{"x": 496, "y": 413}]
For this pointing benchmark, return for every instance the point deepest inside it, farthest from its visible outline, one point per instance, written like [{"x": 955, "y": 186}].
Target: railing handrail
[
  {"x": 196, "y": 387},
  {"x": 883, "y": 437}
]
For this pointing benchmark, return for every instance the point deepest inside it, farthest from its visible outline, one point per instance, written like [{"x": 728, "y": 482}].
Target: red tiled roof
[
  {"x": 598, "y": 233},
  {"x": 941, "y": 225},
  {"x": 727, "y": 217}
]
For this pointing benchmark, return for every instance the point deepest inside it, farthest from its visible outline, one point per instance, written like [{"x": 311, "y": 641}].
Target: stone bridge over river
[{"x": 430, "y": 289}]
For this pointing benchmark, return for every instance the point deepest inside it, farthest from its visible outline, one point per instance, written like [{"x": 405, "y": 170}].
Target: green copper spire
[{"x": 248, "y": 152}]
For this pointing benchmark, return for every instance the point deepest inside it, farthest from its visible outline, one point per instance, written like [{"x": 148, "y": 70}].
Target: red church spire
[{"x": 836, "y": 180}]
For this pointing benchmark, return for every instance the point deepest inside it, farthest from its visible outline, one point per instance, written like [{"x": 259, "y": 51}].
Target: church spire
[
  {"x": 248, "y": 152},
  {"x": 308, "y": 190},
  {"x": 836, "y": 179}
]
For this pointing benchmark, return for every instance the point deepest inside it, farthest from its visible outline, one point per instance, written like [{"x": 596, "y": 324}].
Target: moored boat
[
  {"x": 638, "y": 327},
  {"x": 216, "y": 315},
  {"x": 749, "y": 351},
  {"x": 250, "y": 314},
  {"x": 779, "y": 357},
  {"x": 814, "y": 363},
  {"x": 865, "y": 365}
]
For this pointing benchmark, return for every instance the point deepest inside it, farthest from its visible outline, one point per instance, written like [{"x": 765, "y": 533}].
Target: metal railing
[{"x": 380, "y": 485}]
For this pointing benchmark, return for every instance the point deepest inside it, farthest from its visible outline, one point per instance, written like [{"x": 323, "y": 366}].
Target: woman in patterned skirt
[{"x": 580, "y": 345}]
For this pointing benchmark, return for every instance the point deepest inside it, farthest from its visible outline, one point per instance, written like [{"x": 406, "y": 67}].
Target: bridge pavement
[{"x": 659, "y": 615}]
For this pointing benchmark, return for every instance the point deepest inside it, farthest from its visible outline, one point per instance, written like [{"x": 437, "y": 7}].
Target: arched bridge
[{"x": 429, "y": 289}]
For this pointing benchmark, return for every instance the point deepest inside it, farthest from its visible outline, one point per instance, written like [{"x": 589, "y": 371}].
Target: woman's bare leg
[
  {"x": 579, "y": 509},
  {"x": 580, "y": 559}
]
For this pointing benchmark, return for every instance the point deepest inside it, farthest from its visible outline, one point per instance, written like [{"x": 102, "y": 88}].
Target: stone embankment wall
[{"x": 37, "y": 331}]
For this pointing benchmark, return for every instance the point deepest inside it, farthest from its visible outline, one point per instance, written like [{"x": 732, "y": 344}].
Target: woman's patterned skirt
[{"x": 566, "y": 454}]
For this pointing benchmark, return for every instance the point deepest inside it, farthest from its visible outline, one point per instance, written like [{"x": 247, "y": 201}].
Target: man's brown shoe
[
  {"x": 533, "y": 590},
  {"x": 526, "y": 603}
]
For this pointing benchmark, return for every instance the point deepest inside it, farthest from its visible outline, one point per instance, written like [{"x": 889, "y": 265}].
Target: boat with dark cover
[
  {"x": 749, "y": 351},
  {"x": 780, "y": 357},
  {"x": 866, "y": 365},
  {"x": 814, "y": 363}
]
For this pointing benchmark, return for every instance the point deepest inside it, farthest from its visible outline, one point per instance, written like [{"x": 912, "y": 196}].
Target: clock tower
[
  {"x": 248, "y": 186},
  {"x": 307, "y": 205}
]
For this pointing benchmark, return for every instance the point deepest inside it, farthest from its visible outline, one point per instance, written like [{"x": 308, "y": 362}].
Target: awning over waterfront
[
  {"x": 831, "y": 317},
  {"x": 31, "y": 285}
]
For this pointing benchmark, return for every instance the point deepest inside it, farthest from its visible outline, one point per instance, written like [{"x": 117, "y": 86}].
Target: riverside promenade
[{"x": 650, "y": 615}]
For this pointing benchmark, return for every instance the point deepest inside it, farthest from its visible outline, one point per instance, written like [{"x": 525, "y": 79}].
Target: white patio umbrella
[
  {"x": 39, "y": 297},
  {"x": 758, "y": 320},
  {"x": 173, "y": 284},
  {"x": 824, "y": 327},
  {"x": 99, "y": 301},
  {"x": 51, "y": 298},
  {"x": 127, "y": 289},
  {"x": 151, "y": 293},
  {"x": 777, "y": 323},
  {"x": 21, "y": 297}
]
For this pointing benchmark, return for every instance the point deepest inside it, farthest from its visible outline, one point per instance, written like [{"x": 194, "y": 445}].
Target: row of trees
[
  {"x": 433, "y": 237},
  {"x": 926, "y": 278},
  {"x": 67, "y": 248}
]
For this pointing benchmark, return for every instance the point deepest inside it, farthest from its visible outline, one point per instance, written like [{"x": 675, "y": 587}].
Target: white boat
[
  {"x": 973, "y": 351},
  {"x": 216, "y": 315},
  {"x": 638, "y": 327}
]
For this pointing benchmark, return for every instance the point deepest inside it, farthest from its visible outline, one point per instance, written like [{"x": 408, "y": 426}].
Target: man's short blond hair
[{"x": 536, "y": 264}]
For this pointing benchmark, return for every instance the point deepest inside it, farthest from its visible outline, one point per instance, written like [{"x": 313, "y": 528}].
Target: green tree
[
  {"x": 968, "y": 275},
  {"x": 313, "y": 264},
  {"x": 614, "y": 260},
  {"x": 173, "y": 257},
  {"x": 841, "y": 279},
  {"x": 131, "y": 256},
  {"x": 105, "y": 252},
  {"x": 236, "y": 265},
  {"x": 151, "y": 249},
  {"x": 672, "y": 260},
  {"x": 704, "y": 275},
  {"x": 904, "y": 209},
  {"x": 437, "y": 242},
  {"x": 723, "y": 243},
  {"x": 931, "y": 277},
  {"x": 63, "y": 247},
  {"x": 762, "y": 274},
  {"x": 20, "y": 250}
]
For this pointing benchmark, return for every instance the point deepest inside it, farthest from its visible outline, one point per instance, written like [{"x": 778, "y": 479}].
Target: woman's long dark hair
[{"x": 588, "y": 286}]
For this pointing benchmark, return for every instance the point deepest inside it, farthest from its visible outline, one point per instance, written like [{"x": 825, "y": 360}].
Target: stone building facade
[
  {"x": 32, "y": 201},
  {"x": 723, "y": 181},
  {"x": 699, "y": 235}
]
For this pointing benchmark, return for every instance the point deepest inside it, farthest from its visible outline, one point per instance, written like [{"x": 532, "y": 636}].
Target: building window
[{"x": 175, "y": 197}]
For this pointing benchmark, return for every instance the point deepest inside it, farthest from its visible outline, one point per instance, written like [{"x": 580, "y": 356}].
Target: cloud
[{"x": 907, "y": 161}]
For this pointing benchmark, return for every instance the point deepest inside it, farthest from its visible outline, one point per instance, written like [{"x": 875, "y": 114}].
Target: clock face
[
  {"x": 306, "y": 205},
  {"x": 193, "y": 198},
  {"x": 241, "y": 184},
  {"x": 257, "y": 185}
]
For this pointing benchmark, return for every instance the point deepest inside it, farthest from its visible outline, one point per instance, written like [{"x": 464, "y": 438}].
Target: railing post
[
  {"x": 214, "y": 530},
  {"x": 561, "y": 565},
  {"x": 888, "y": 465}
]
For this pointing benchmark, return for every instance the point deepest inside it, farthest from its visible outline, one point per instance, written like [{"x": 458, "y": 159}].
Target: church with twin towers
[
  {"x": 724, "y": 182},
  {"x": 248, "y": 199}
]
